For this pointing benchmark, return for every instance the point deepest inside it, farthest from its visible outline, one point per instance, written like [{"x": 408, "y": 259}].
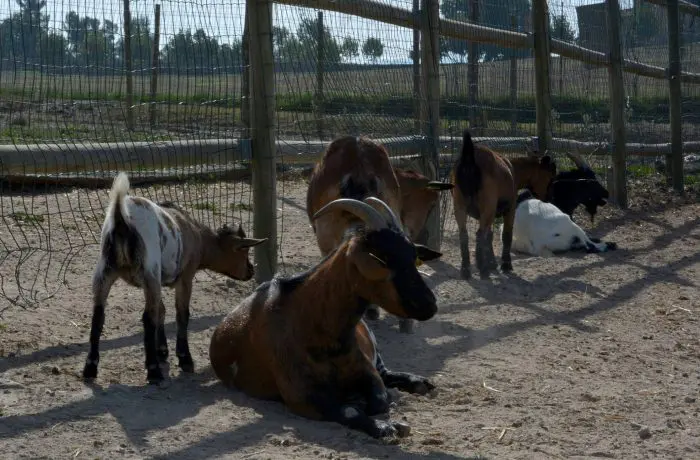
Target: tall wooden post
[
  {"x": 245, "y": 78},
  {"x": 155, "y": 64},
  {"x": 617, "y": 104},
  {"x": 128, "y": 68},
  {"x": 262, "y": 109},
  {"x": 319, "y": 74},
  {"x": 430, "y": 115},
  {"x": 540, "y": 23},
  {"x": 513, "y": 86},
  {"x": 473, "y": 70},
  {"x": 416, "y": 67},
  {"x": 674, "y": 88}
]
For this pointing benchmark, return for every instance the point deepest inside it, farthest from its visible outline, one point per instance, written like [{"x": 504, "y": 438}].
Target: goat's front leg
[
  {"x": 404, "y": 381},
  {"x": 102, "y": 281},
  {"x": 151, "y": 322},
  {"x": 183, "y": 294},
  {"x": 350, "y": 414}
]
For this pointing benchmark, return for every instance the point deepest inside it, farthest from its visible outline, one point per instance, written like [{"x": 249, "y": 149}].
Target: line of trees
[{"x": 26, "y": 40}]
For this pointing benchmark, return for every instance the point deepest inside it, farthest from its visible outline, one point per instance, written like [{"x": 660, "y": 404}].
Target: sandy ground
[{"x": 580, "y": 356}]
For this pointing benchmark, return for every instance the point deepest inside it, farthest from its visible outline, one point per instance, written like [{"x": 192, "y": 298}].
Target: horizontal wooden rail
[
  {"x": 683, "y": 7},
  {"x": 371, "y": 9},
  {"x": 220, "y": 157}
]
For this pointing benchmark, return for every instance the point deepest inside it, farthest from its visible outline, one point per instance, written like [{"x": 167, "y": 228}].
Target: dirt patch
[{"x": 579, "y": 356}]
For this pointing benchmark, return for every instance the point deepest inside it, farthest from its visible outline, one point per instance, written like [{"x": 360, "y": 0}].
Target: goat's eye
[{"x": 557, "y": 234}]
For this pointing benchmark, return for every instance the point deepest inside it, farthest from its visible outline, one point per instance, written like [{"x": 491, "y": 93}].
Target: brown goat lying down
[
  {"x": 301, "y": 339},
  {"x": 357, "y": 168},
  {"x": 486, "y": 186},
  {"x": 150, "y": 245}
]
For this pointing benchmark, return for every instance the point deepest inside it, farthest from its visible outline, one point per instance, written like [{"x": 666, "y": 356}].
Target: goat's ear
[
  {"x": 240, "y": 232},
  {"x": 437, "y": 185},
  {"x": 426, "y": 254},
  {"x": 545, "y": 160},
  {"x": 249, "y": 242},
  {"x": 369, "y": 265}
]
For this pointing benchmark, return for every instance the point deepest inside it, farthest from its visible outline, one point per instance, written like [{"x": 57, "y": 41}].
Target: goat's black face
[
  {"x": 396, "y": 253},
  {"x": 578, "y": 186},
  {"x": 593, "y": 193}
]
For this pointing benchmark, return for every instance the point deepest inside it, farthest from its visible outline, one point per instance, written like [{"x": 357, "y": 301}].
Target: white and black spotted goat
[
  {"x": 150, "y": 245},
  {"x": 542, "y": 229}
]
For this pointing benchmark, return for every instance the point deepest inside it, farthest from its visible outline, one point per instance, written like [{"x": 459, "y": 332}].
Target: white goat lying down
[{"x": 542, "y": 229}]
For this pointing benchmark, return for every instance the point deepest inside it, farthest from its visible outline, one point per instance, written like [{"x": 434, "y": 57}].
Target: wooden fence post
[
  {"x": 675, "y": 165},
  {"x": 540, "y": 23},
  {"x": 155, "y": 64},
  {"x": 513, "y": 86},
  {"x": 416, "y": 67},
  {"x": 430, "y": 64},
  {"x": 245, "y": 78},
  {"x": 262, "y": 108},
  {"x": 473, "y": 73},
  {"x": 128, "y": 68},
  {"x": 319, "y": 75},
  {"x": 617, "y": 104}
]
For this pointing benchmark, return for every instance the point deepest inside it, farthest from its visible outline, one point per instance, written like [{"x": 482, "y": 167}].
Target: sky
[{"x": 223, "y": 19}]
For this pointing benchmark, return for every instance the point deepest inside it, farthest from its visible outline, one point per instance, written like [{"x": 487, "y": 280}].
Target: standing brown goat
[
  {"x": 301, "y": 339},
  {"x": 486, "y": 186},
  {"x": 356, "y": 168}
]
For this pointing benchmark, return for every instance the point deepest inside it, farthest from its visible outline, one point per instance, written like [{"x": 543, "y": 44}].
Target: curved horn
[
  {"x": 577, "y": 159},
  {"x": 367, "y": 213},
  {"x": 394, "y": 220}
]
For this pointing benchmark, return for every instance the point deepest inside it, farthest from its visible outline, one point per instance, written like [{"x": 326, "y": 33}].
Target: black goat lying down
[{"x": 575, "y": 187}]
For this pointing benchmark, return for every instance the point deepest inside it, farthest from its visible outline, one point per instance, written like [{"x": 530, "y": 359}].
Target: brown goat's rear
[
  {"x": 355, "y": 167},
  {"x": 486, "y": 186}
]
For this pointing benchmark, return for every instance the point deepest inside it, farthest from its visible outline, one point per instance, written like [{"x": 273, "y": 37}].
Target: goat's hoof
[
  {"x": 186, "y": 365},
  {"x": 466, "y": 273},
  {"x": 507, "y": 267},
  {"x": 406, "y": 326},
  {"x": 372, "y": 313},
  {"x": 422, "y": 387},
  {"x": 90, "y": 371},
  {"x": 384, "y": 429},
  {"x": 403, "y": 430},
  {"x": 485, "y": 273},
  {"x": 611, "y": 246}
]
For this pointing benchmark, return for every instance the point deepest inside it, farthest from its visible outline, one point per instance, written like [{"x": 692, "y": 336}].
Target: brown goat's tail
[{"x": 467, "y": 147}]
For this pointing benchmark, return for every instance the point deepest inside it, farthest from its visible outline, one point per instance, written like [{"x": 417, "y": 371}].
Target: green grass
[
  {"x": 206, "y": 206},
  {"x": 241, "y": 207},
  {"x": 25, "y": 218}
]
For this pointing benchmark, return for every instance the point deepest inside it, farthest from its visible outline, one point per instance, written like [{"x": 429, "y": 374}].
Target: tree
[
  {"x": 349, "y": 48},
  {"x": 91, "y": 44},
  {"x": 561, "y": 29},
  {"x": 457, "y": 10},
  {"x": 34, "y": 24},
  {"x": 198, "y": 53},
  {"x": 141, "y": 44},
  {"x": 308, "y": 36},
  {"x": 373, "y": 48}
]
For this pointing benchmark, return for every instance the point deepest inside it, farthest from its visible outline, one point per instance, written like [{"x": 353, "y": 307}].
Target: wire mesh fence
[
  {"x": 63, "y": 87},
  {"x": 64, "y": 81}
]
